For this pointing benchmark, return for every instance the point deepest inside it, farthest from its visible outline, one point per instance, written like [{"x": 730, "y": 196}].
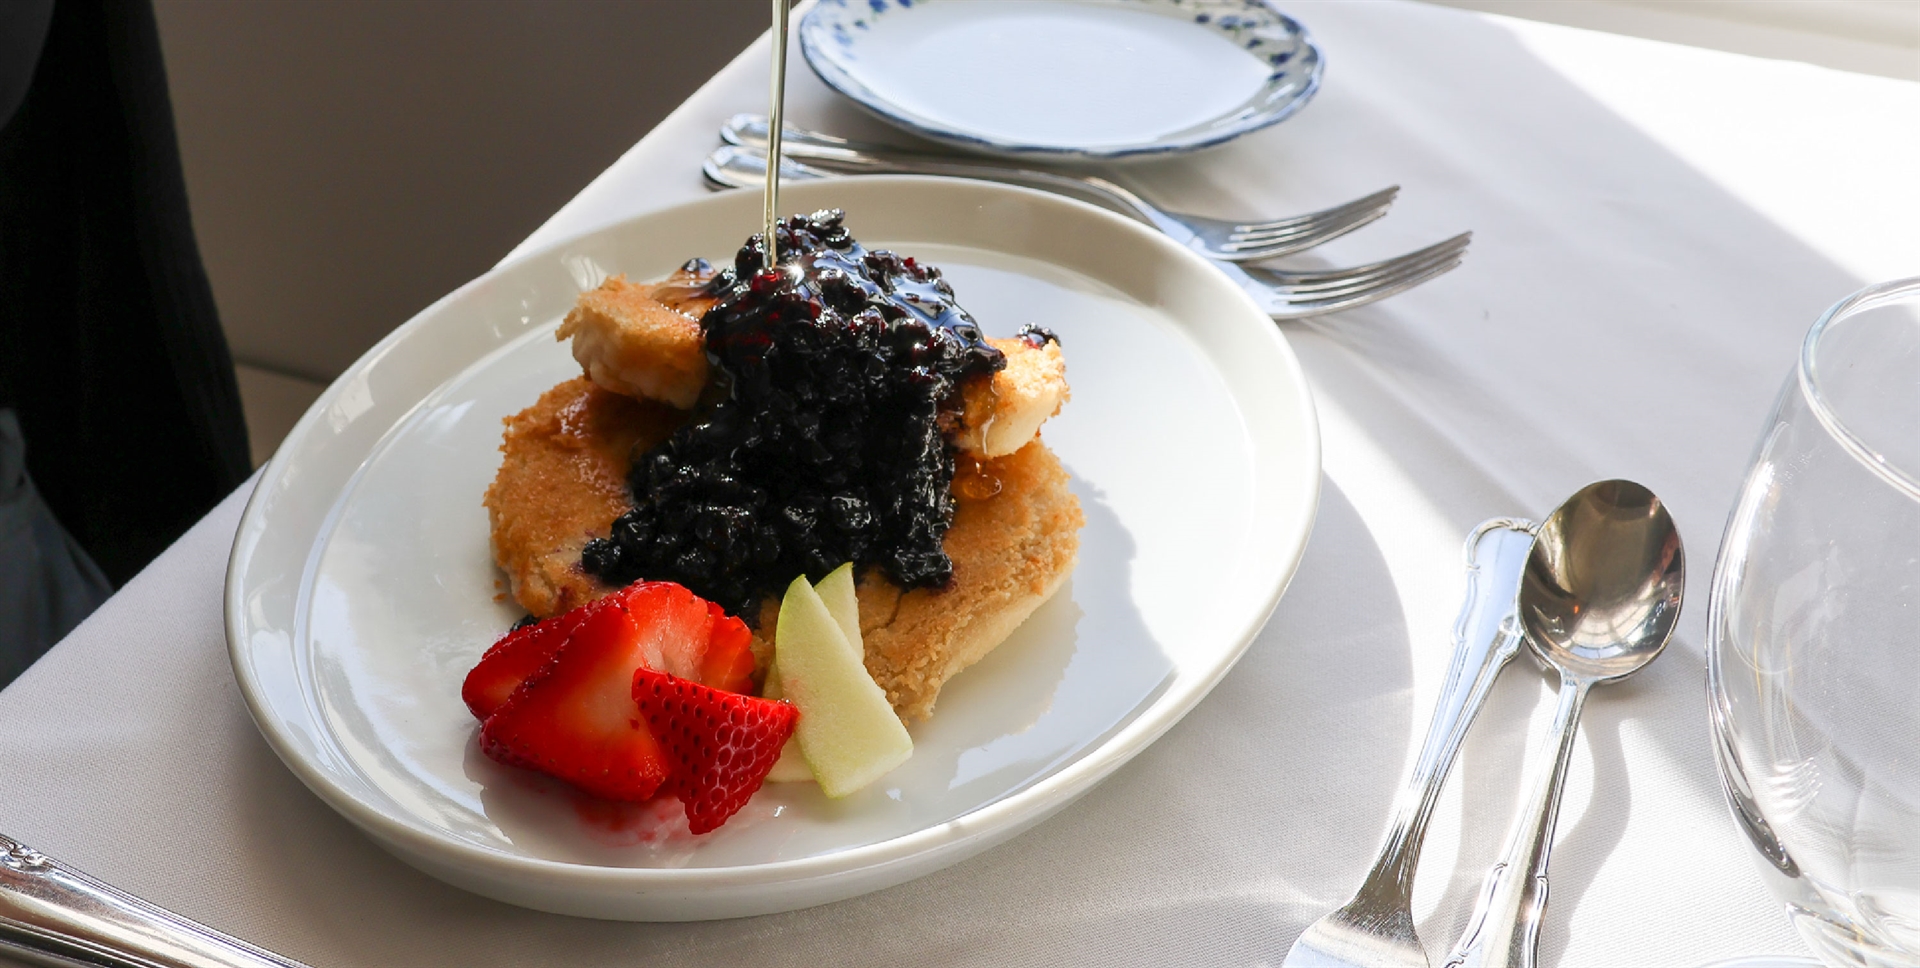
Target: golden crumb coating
[
  {"x": 1001, "y": 414},
  {"x": 643, "y": 339},
  {"x": 562, "y": 481},
  {"x": 1014, "y": 541}
]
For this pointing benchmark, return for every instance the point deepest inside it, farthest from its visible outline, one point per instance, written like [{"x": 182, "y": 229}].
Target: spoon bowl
[
  {"x": 1598, "y": 601},
  {"x": 1601, "y": 591}
]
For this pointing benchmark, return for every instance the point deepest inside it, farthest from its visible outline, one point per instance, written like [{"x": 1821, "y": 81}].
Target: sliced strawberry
[
  {"x": 729, "y": 661},
  {"x": 720, "y": 744},
  {"x": 519, "y": 654},
  {"x": 675, "y": 625},
  {"x": 725, "y": 661},
  {"x": 575, "y": 719},
  {"x": 558, "y": 696}
]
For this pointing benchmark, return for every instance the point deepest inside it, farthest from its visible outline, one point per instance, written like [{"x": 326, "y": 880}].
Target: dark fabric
[
  {"x": 23, "y": 31},
  {"x": 47, "y": 583},
  {"x": 110, "y": 347}
]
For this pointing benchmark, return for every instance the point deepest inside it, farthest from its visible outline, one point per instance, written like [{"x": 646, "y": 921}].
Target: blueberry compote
[{"x": 820, "y": 439}]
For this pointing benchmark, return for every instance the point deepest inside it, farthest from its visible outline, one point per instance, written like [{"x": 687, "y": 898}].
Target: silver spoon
[{"x": 1598, "y": 601}]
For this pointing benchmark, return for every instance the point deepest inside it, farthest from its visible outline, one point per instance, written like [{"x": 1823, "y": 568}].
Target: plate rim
[
  {"x": 831, "y": 73},
  {"x": 1003, "y": 817}
]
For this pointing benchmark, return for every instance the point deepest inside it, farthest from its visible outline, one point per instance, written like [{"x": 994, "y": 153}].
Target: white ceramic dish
[
  {"x": 360, "y": 589},
  {"x": 1066, "y": 79}
]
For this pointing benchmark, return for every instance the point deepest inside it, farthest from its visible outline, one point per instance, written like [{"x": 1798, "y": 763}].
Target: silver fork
[
  {"x": 1214, "y": 238},
  {"x": 1280, "y": 294},
  {"x": 1297, "y": 295},
  {"x": 1375, "y": 929}
]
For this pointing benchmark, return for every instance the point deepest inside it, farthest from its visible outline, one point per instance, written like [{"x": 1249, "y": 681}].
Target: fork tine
[
  {"x": 1327, "y": 296},
  {"x": 1307, "y": 222},
  {"x": 1380, "y": 199},
  {"x": 1286, "y": 278},
  {"x": 1319, "y": 222},
  {"x": 1375, "y": 276},
  {"x": 1299, "y": 239},
  {"x": 1320, "y": 308}
]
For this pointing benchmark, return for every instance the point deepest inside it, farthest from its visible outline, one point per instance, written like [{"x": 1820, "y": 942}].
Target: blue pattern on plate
[{"x": 1296, "y": 63}]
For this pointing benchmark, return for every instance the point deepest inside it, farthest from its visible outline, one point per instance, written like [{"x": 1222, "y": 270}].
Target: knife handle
[{"x": 51, "y": 914}]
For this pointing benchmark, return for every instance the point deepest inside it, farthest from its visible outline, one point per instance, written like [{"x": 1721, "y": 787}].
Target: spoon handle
[
  {"x": 1485, "y": 638},
  {"x": 1505, "y": 929}
]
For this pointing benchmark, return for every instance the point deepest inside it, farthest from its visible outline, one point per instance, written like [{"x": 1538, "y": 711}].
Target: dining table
[{"x": 1655, "y": 228}]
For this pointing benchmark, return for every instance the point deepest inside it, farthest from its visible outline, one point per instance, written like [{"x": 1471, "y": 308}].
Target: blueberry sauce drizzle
[{"x": 820, "y": 440}]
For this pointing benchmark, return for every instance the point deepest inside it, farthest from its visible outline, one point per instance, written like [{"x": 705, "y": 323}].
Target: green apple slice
[
  {"x": 847, "y": 729},
  {"x": 837, "y": 591},
  {"x": 792, "y": 766}
]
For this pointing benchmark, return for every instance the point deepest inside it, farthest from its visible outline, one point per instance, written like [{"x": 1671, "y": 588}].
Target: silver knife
[{"x": 51, "y": 914}]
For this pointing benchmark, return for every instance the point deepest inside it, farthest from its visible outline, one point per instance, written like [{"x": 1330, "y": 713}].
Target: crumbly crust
[
  {"x": 1011, "y": 551},
  {"x": 1001, "y": 414},
  {"x": 563, "y": 481},
  {"x": 640, "y": 339}
]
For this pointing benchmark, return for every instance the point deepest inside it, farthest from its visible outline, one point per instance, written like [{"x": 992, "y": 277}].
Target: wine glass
[{"x": 1814, "y": 635}]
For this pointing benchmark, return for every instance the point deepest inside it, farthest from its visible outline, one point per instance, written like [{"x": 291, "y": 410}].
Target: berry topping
[
  {"x": 719, "y": 745},
  {"x": 822, "y": 439}
]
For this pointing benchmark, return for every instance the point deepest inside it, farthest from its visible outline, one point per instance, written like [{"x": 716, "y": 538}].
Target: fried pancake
[
  {"x": 643, "y": 339},
  {"x": 1001, "y": 413},
  {"x": 562, "y": 481}
]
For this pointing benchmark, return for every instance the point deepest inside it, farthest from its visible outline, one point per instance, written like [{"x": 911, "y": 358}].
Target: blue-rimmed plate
[{"x": 1066, "y": 79}]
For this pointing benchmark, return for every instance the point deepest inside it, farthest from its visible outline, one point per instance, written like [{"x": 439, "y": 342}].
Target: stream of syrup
[{"x": 776, "y": 114}]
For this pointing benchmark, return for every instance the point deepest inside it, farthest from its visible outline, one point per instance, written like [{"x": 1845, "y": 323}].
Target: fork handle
[
  {"x": 1485, "y": 638},
  {"x": 51, "y": 914},
  {"x": 752, "y": 131}
]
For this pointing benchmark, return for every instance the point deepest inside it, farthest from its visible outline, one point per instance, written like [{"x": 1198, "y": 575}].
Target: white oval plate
[
  {"x": 1066, "y": 79},
  {"x": 361, "y": 590}
]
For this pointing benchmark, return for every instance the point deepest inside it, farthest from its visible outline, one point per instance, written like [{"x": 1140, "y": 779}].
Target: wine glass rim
[{"x": 1871, "y": 297}]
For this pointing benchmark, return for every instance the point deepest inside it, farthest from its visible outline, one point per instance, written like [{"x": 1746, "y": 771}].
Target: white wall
[{"x": 350, "y": 161}]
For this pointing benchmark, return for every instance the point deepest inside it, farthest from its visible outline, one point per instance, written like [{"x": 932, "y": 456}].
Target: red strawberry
[
  {"x": 568, "y": 709},
  {"x": 699, "y": 640},
  {"x": 674, "y": 626},
  {"x": 721, "y": 744},
  {"x": 729, "y": 661},
  {"x": 519, "y": 654},
  {"x": 723, "y": 661},
  {"x": 575, "y": 718}
]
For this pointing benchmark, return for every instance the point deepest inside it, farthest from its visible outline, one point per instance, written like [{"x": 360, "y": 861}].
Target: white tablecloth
[{"x": 1655, "y": 228}]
